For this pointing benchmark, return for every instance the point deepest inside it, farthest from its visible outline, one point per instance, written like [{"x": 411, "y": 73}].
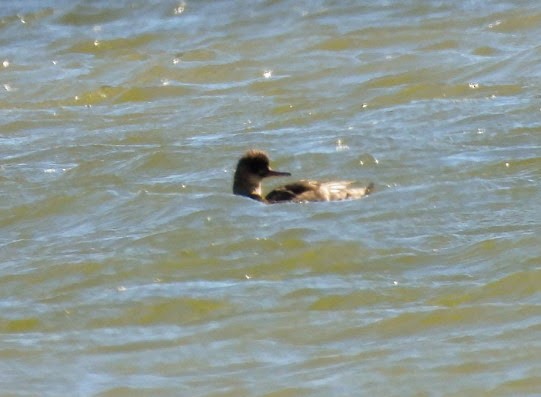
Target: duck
[{"x": 254, "y": 166}]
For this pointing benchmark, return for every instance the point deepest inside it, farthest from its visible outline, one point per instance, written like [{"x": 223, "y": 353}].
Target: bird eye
[{"x": 260, "y": 168}]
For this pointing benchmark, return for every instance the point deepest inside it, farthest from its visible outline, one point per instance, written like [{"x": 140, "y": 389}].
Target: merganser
[{"x": 254, "y": 166}]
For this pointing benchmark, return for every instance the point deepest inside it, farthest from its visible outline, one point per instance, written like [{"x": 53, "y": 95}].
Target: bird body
[{"x": 317, "y": 191}]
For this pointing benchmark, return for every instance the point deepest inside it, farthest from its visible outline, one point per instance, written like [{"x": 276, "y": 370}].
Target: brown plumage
[{"x": 253, "y": 167}]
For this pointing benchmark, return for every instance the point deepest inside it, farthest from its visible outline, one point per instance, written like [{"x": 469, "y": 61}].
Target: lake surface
[{"x": 128, "y": 268}]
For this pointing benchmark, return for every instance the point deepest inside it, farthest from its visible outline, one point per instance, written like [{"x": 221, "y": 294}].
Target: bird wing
[{"x": 290, "y": 191}]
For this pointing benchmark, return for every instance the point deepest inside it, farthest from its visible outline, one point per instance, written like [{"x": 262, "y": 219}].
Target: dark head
[
  {"x": 256, "y": 163},
  {"x": 251, "y": 169}
]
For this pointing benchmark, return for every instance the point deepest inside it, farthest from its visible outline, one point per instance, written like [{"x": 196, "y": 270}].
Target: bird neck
[{"x": 243, "y": 185}]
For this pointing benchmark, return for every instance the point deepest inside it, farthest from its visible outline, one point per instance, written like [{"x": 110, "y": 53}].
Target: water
[{"x": 128, "y": 268}]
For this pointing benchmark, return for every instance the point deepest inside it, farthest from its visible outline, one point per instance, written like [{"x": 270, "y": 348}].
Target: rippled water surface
[{"x": 127, "y": 267}]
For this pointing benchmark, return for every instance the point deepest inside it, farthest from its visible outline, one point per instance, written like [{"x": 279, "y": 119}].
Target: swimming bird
[{"x": 253, "y": 167}]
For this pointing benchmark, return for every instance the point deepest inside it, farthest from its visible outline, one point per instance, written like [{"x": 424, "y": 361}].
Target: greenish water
[{"x": 127, "y": 267}]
